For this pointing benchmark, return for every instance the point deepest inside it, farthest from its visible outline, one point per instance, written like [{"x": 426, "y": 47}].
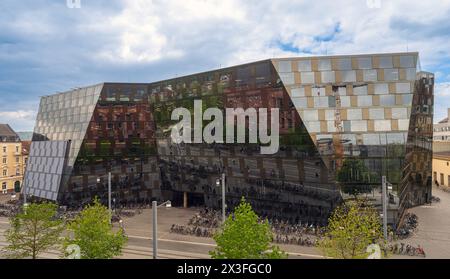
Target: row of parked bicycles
[
  {"x": 192, "y": 230},
  {"x": 408, "y": 227},
  {"x": 295, "y": 240},
  {"x": 407, "y": 249},
  {"x": 285, "y": 228}
]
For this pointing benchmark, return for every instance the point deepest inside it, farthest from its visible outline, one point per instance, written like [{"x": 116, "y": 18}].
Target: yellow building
[
  {"x": 441, "y": 168},
  {"x": 12, "y": 160}
]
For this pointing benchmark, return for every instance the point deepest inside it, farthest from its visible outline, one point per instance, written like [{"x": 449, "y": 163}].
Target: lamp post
[
  {"x": 384, "y": 204},
  {"x": 155, "y": 224},
  {"x": 220, "y": 182}
]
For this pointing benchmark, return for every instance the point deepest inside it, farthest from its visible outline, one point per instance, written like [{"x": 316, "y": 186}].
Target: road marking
[
  {"x": 172, "y": 240},
  {"x": 214, "y": 245}
]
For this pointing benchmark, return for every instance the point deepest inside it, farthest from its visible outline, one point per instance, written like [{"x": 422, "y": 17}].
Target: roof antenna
[{"x": 407, "y": 48}]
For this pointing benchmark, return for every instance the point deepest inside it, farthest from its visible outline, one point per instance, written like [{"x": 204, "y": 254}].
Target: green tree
[
  {"x": 33, "y": 231},
  {"x": 351, "y": 229},
  {"x": 92, "y": 232},
  {"x": 245, "y": 236}
]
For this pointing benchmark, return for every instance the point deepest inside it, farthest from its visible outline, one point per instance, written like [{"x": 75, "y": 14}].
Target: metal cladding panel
[{"x": 45, "y": 168}]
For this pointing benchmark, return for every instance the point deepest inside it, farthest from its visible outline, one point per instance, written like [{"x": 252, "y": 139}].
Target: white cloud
[
  {"x": 441, "y": 100},
  {"x": 20, "y": 120},
  {"x": 442, "y": 89}
]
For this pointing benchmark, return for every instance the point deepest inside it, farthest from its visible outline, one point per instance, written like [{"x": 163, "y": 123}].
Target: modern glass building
[{"x": 345, "y": 121}]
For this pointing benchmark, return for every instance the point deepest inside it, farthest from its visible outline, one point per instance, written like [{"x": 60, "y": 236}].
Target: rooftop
[{"x": 7, "y": 134}]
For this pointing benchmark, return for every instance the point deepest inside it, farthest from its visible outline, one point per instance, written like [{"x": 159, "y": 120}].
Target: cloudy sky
[{"x": 47, "y": 47}]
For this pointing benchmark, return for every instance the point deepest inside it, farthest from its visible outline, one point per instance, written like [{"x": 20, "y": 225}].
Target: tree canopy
[
  {"x": 352, "y": 227},
  {"x": 245, "y": 236},
  {"x": 93, "y": 233},
  {"x": 33, "y": 231}
]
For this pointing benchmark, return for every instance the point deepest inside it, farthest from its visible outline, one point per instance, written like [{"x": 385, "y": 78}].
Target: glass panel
[
  {"x": 359, "y": 125},
  {"x": 330, "y": 127},
  {"x": 328, "y": 76},
  {"x": 391, "y": 74},
  {"x": 329, "y": 114},
  {"x": 324, "y": 65},
  {"x": 311, "y": 115},
  {"x": 318, "y": 91},
  {"x": 284, "y": 66},
  {"x": 354, "y": 114},
  {"x": 406, "y": 61},
  {"x": 287, "y": 78},
  {"x": 300, "y": 102},
  {"x": 371, "y": 139},
  {"x": 404, "y": 87},
  {"x": 395, "y": 138},
  {"x": 387, "y": 100},
  {"x": 376, "y": 113},
  {"x": 365, "y": 63},
  {"x": 365, "y": 101},
  {"x": 381, "y": 88},
  {"x": 320, "y": 102},
  {"x": 348, "y": 76},
  {"x": 398, "y": 113},
  {"x": 407, "y": 99},
  {"x": 304, "y": 66},
  {"x": 345, "y": 101},
  {"x": 344, "y": 64},
  {"x": 313, "y": 126},
  {"x": 360, "y": 90},
  {"x": 411, "y": 74},
  {"x": 385, "y": 61},
  {"x": 307, "y": 77},
  {"x": 298, "y": 92},
  {"x": 403, "y": 124},
  {"x": 382, "y": 125},
  {"x": 347, "y": 126}
]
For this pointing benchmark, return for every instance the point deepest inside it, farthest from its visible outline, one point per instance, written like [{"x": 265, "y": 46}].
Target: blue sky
[{"x": 46, "y": 47}]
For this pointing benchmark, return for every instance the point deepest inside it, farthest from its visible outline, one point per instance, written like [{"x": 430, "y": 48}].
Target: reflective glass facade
[{"x": 344, "y": 122}]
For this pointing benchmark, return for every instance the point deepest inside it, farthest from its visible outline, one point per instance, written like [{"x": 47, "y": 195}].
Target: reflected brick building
[{"x": 344, "y": 122}]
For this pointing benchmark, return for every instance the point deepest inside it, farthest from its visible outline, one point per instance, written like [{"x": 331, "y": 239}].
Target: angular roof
[{"x": 7, "y": 133}]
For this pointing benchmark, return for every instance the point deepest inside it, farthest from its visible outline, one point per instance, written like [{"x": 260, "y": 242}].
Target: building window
[
  {"x": 4, "y": 160},
  {"x": 385, "y": 61},
  {"x": 4, "y": 186},
  {"x": 365, "y": 63},
  {"x": 344, "y": 64},
  {"x": 304, "y": 66},
  {"x": 5, "y": 172},
  {"x": 307, "y": 77},
  {"x": 348, "y": 76},
  {"x": 442, "y": 179},
  {"x": 284, "y": 66},
  {"x": 17, "y": 149},
  {"x": 407, "y": 61},
  {"x": 370, "y": 75},
  {"x": 17, "y": 159},
  {"x": 4, "y": 149},
  {"x": 324, "y": 65},
  {"x": 391, "y": 74}
]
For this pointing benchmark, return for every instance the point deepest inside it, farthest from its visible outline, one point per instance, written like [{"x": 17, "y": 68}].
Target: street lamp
[
  {"x": 218, "y": 183},
  {"x": 155, "y": 206}
]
